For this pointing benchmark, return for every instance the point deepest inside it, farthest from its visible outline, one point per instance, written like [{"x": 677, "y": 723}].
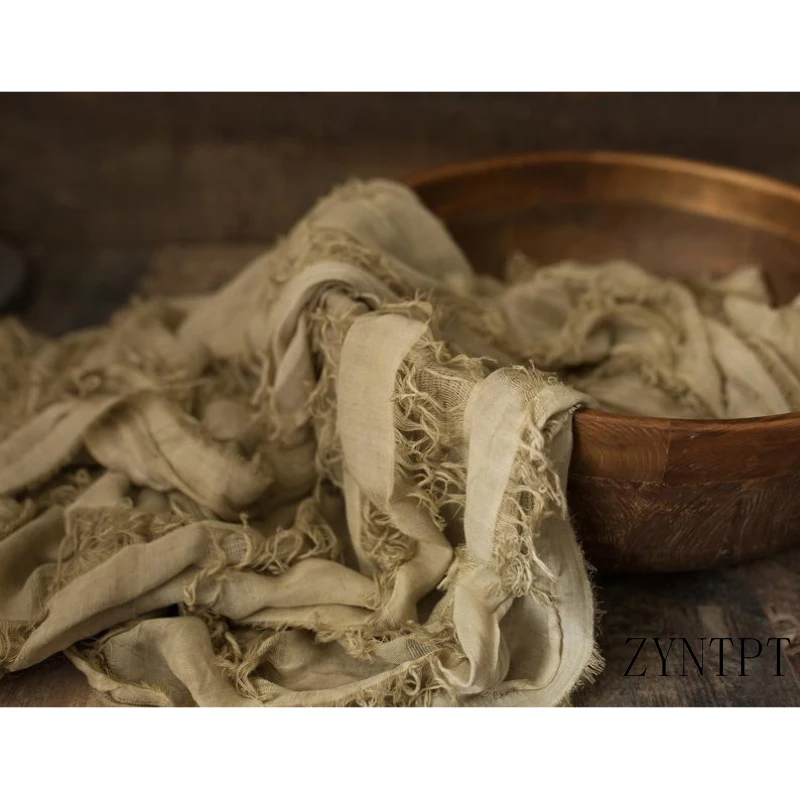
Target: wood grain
[{"x": 736, "y": 602}]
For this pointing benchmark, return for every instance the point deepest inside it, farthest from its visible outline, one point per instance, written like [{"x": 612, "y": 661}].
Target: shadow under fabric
[{"x": 329, "y": 483}]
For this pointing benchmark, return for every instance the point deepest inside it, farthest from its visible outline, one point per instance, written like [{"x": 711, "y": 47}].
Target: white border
[
  {"x": 419, "y": 45},
  {"x": 460, "y": 753}
]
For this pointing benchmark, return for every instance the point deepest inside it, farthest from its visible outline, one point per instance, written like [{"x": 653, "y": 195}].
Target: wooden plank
[{"x": 726, "y": 603}]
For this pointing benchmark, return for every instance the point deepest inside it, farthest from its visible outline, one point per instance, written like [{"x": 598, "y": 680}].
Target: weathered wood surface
[
  {"x": 758, "y": 600},
  {"x": 108, "y": 196}
]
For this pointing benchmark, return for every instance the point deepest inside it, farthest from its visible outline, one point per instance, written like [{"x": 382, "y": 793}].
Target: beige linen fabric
[{"x": 340, "y": 480}]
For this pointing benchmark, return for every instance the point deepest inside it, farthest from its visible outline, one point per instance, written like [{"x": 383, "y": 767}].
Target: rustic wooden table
[{"x": 112, "y": 195}]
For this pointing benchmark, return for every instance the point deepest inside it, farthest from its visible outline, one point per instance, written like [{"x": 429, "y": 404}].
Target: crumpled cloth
[{"x": 340, "y": 480}]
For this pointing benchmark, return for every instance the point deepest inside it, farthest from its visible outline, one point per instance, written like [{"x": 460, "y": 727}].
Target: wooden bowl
[{"x": 649, "y": 494}]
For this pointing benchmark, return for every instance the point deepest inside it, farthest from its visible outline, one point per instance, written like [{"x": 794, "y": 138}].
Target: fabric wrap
[{"x": 340, "y": 479}]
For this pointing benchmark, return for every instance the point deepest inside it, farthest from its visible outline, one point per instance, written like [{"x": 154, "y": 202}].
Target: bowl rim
[{"x": 733, "y": 175}]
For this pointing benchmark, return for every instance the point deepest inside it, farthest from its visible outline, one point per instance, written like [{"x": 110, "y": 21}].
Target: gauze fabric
[{"x": 340, "y": 480}]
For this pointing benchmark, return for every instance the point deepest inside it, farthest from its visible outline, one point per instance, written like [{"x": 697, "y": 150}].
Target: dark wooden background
[{"x": 107, "y": 195}]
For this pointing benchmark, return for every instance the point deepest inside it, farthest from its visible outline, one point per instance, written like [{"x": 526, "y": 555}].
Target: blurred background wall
[{"x": 110, "y": 193}]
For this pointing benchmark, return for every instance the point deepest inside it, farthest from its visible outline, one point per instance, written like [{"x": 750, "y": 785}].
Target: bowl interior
[{"x": 672, "y": 217}]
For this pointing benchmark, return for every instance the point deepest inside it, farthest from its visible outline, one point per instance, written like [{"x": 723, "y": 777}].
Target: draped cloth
[{"x": 340, "y": 479}]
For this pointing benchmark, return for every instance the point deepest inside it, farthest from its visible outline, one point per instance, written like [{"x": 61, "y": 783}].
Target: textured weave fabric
[{"x": 341, "y": 479}]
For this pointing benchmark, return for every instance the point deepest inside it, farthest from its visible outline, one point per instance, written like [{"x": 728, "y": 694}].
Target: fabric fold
[{"x": 341, "y": 479}]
